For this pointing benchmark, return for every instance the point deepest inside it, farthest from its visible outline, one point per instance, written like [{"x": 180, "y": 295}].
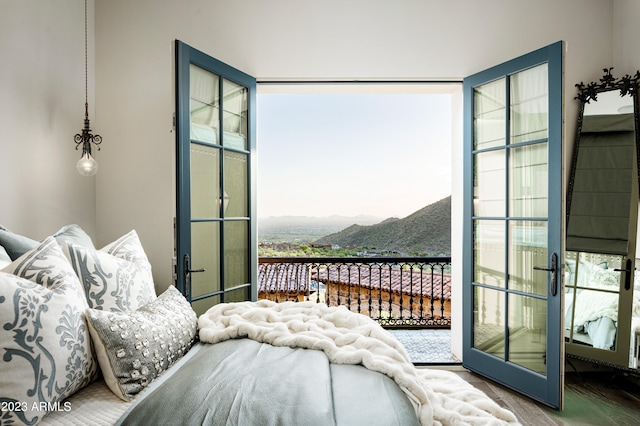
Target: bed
[{"x": 85, "y": 339}]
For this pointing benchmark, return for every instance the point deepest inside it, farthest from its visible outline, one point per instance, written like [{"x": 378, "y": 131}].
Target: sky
[{"x": 386, "y": 155}]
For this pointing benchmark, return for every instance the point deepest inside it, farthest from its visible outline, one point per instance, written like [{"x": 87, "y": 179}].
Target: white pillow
[
  {"x": 45, "y": 347},
  {"x": 116, "y": 278},
  {"x": 134, "y": 347}
]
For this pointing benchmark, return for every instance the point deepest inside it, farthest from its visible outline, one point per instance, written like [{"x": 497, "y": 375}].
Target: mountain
[
  {"x": 427, "y": 231},
  {"x": 304, "y": 229}
]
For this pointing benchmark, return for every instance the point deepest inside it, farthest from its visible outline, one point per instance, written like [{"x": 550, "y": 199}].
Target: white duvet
[
  {"x": 439, "y": 397},
  {"x": 591, "y": 305}
]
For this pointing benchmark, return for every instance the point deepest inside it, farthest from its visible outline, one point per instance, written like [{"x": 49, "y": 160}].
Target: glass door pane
[
  {"x": 205, "y": 181},
  {"x": 236, "y": 253},
  {"x": 528, "y": 249},
  {"x": 489, "y": 253},
  {"x": 236, "y": 174},
  {"x": 204, "y": 105},
  {"x": 235, "y": 115},
  {"x": 529, "y": 104},
  {"x": 528, "y": 332},
  {"x": 529, "y": 181},
  {"x": 489, "y": 183},
  {"x": 205, "y": 254},
  {"x": 490, "y": 114},
  {"x": 488, "y": 321}
]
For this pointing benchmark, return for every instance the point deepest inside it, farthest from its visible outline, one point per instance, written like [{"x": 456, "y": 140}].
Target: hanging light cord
[
  {"x": 86, "y": 138},
  {"x": 86, "y": 66}
]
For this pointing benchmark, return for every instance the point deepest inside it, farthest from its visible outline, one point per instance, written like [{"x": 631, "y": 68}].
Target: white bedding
[
  {"x": 94, "y": 405},
  {"x": 439, "y": 397},
  {"x": 97, "y": 405},
  {"x": 591, "y": 305}
]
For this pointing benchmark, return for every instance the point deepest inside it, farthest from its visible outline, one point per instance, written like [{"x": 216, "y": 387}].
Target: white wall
[
  {"x": 626, "y": 37},
  {"x": 42, "y": 98}
]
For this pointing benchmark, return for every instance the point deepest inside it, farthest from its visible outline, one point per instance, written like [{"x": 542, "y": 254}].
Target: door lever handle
[
  {"x": 540, "y": 268},
  {"x": 553, "y": 270},
  {"x": 187, "y": 266},
  {"x": 187, "y": 271},
  {"x": 627, "y": 277}
]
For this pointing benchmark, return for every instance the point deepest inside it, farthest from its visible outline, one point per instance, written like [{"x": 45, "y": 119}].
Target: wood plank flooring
[
  {"x": 597, "y": 396},
  {"x": 591, "y": 398}
]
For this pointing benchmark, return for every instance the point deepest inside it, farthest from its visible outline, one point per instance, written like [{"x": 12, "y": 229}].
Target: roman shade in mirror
[{"x": 602, "y": 183}]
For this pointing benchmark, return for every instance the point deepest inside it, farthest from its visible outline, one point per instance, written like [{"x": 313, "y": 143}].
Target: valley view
[{"x": 426, "y": 232}]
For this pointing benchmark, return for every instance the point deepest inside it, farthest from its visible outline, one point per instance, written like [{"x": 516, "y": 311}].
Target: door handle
[
  {"x": 187, "y": 275},
  {"x": 553, "y": 270},
  {"x": 187, "y": 266},
  {"x": 627, "y": 277}
]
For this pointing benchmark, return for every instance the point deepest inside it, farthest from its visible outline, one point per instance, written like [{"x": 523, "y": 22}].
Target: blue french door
[
  {"x": 216, "y": 244},
  {"x": 513, "y": 224}
]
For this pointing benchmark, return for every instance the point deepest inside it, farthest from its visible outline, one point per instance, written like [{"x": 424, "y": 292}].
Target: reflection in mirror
[
  {"x": 602, "y": 221},
  {"x": 592, "y": 283}
]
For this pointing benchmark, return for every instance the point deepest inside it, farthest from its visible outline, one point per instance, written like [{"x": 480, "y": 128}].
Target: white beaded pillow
[
  {"x": 115, "y": 278},
  {"x": 134, "y": 347},
  {"x": 45, "y": 347}
]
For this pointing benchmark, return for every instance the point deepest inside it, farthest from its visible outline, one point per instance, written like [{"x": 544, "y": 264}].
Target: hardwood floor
[{"x": 598, "y": 398}]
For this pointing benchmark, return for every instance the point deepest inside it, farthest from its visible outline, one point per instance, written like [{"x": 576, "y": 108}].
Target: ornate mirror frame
[
  {"x": 627, "y": 85},
  {"x": 603, "y": 239}
]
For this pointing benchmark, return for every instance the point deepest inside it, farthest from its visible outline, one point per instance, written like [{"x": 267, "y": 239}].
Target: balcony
[{"x": 397, "y": 292}]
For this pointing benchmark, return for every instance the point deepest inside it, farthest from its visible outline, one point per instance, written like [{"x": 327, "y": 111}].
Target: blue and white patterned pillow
[
  {"x": 127, "y": 247},
  {"x": 45, "y": 347},
  {"x": 116, "y": 278}
]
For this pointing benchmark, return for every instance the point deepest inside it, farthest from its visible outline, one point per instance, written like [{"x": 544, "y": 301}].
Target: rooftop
[{"x": 297, "y": 278}]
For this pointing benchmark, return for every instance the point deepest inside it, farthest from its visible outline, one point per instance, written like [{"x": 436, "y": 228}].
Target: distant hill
[
  {"x": 427, "y": 231},
  {"x": 305, "y": 229}
]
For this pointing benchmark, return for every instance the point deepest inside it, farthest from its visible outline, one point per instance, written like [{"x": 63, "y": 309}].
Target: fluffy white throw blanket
[{"x": 439, "y": 397}]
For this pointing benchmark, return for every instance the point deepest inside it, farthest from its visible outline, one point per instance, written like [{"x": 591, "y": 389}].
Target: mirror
[{"x": 602, "y": 316}]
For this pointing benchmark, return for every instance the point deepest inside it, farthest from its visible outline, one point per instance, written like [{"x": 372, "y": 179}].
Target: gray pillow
[
  {"x": 134, "y": 347},
  {"x": 73, "y": 234},
  {"x": 16, "y": 245}
]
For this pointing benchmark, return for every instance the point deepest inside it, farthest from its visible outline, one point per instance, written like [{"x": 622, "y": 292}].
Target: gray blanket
[{"x": 243, "y": 382}]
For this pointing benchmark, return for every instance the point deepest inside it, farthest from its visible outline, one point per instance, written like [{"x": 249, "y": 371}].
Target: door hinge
[{"x": 174, "y": 270}]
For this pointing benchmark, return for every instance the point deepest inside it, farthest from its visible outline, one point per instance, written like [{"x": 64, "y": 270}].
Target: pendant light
[{"x": 87, "y": 165}]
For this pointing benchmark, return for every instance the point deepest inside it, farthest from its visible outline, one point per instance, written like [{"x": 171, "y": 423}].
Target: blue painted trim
[
  {"x": 543, "y": 388},
  {"x": 183, "y": 228}
]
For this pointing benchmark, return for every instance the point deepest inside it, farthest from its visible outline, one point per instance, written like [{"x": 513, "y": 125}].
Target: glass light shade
[{"x": 86, "y": 165}]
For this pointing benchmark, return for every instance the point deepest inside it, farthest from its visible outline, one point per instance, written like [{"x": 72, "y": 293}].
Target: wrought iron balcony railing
[{"x": 395, "y": 291}]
